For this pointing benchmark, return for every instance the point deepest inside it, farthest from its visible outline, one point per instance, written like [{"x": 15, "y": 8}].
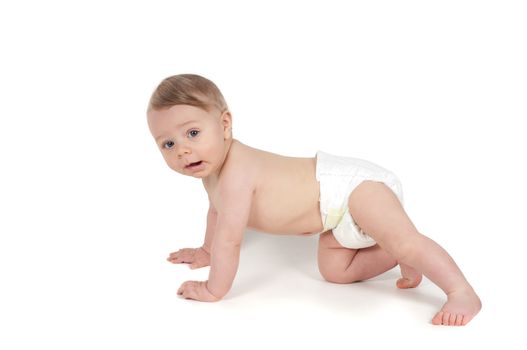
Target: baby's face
[{"x": 192, "y": 140}]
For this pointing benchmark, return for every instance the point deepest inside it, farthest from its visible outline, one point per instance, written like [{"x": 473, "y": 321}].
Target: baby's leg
[
  {"x": 338, "y": 264},
  {"x": 376, "y": 209}
]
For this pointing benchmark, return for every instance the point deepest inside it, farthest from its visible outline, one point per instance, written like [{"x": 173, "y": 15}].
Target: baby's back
[{"x": 286, "y": 195}]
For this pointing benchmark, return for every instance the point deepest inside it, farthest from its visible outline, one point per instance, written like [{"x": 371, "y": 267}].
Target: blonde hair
[{"x": 187, "y": 89}]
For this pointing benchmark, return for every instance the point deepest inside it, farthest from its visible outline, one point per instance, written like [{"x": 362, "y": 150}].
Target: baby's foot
[
  {"x": 459, "y": 309},
  {"x": 411, "y": 277}
]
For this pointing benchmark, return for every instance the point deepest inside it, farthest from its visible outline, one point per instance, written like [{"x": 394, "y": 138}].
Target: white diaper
[{"x": 338, "y": 177}]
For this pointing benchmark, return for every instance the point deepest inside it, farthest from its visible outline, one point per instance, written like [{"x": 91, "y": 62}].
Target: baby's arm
[
  {"x": 212, "y": 218},
  {"x": 225, "y": 253},
  {"x": 233, "y": 213}
]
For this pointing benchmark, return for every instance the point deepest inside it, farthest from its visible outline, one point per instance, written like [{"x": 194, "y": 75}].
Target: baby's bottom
[{"x": 338, "y": 264}]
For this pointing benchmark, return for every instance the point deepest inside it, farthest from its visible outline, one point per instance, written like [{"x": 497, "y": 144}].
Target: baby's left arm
[{"x": 233, "y": 208}]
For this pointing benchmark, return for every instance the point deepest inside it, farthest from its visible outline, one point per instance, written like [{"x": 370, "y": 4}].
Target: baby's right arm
[
  {"x": 198, "y": 257},
  {"x": 212, "y": 217}
]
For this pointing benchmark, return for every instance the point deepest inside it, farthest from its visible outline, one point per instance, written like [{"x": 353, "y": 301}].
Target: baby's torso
[
  {"x": 286, "y": 192},
  {"x": 286, "y": 196}
]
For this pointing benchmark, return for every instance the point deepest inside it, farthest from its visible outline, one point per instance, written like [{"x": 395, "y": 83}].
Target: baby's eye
[
  {"x": 193, "y": 133},
  {"x": 168, "y": 144}
]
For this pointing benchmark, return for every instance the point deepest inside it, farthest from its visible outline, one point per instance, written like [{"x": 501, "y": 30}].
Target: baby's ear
[{"x": 226, "y": 122}]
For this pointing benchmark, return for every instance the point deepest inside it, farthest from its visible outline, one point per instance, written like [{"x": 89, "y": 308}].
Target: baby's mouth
[{"x": 193, "y": 165}]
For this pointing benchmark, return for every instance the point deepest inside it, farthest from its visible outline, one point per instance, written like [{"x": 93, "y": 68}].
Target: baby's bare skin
[
  {"x": 284, "y": 190},
  {"x": 276, "y": 194}
]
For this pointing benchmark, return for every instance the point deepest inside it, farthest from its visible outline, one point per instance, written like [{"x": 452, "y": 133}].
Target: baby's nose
[{"x": 183, "y": 150}]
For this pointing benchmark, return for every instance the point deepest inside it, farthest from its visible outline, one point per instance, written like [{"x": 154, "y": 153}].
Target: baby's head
[{"x": 190, "y": 121}]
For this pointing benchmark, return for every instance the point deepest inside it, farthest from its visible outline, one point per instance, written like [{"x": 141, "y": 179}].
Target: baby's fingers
[
  {"x": 196, "y": 265},
  {"x": 182, "y": 256},
  {"x": 188, "y": 290},
  {"x": 197, "y": 291},
  {"x": 174, "y": 255}
]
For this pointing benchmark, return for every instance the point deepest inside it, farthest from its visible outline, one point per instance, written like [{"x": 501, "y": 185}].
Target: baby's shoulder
[{"x": 241, "y": 166}]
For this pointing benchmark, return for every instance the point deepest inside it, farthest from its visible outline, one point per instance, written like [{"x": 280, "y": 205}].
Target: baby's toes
[
  {"x": 452, "y": 320},
  {"x": 459, "y": 320},
  {"x": 445, "y": 321},
  {"x": 404, "y": 283},
  {"x": 438, "y": 318}
]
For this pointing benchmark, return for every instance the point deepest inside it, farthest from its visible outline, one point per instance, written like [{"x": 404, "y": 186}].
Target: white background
[{"x": 434, "y": 91}]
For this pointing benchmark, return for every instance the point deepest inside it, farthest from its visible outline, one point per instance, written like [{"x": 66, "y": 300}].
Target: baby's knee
[
  {"x": 406, "y": 247},
  {"x": 337, "y": 276}
]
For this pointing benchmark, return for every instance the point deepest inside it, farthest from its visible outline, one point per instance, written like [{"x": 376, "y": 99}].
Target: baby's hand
[
  {"x": 197, "y": 257},
  {"x": 196, "y": 290}
]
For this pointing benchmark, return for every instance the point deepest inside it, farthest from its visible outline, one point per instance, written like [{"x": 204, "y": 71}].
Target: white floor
[
  {"x": 124, "y": 296},
  {"x": 279, "y": 299}
]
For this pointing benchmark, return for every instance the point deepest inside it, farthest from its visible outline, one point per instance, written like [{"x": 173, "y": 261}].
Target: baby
[{"x": 355, "y": 205}]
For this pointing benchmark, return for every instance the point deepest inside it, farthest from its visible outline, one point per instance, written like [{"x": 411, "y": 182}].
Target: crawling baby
[{"x": 355, "y": 205}]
